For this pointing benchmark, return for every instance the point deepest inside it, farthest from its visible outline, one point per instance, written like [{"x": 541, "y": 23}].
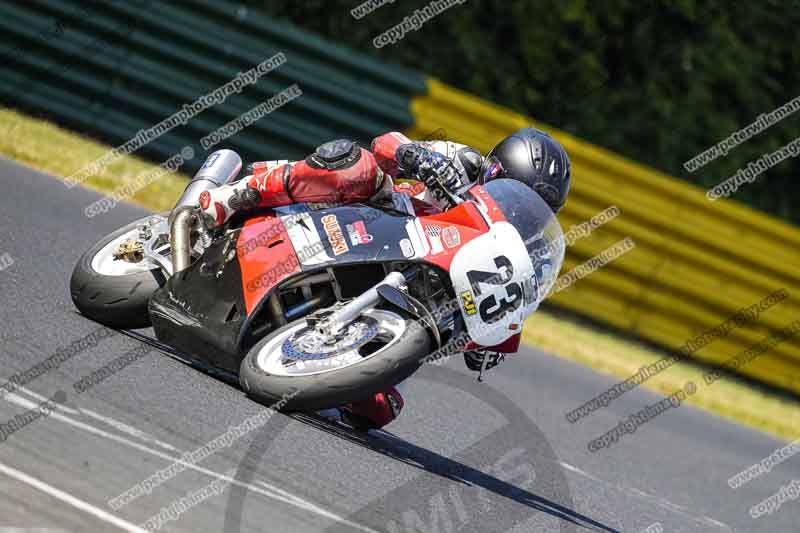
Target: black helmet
[{"x": 534, "y": 158}]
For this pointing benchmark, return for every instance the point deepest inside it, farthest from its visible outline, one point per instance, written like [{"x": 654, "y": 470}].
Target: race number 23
[{"x": 490, "y": 308}]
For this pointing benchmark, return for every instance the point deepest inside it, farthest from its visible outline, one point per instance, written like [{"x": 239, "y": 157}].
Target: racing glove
[
  {"x": 432, "y": 168},
  {"x": 219, "y": 205}
]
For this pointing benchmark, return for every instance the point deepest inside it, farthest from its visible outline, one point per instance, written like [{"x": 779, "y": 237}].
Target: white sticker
[
  {"x": 357, "y": 231},
  {"x": 407, "y": 247},
  {"x": 435, "y": 238},
  {"x": 417, "y": 236},
  {"x": 305, "y": 239},
  {"x": 451, "y": 236}
]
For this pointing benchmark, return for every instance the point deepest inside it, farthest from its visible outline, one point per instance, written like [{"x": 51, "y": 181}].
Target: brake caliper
[{"x": 131, "y": 250}]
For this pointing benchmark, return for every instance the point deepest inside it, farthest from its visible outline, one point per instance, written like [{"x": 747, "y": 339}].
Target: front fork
[{"x": 332, "y": 324}]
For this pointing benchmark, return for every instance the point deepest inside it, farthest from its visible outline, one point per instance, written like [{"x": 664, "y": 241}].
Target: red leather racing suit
[{"x": 339, "y": 172}]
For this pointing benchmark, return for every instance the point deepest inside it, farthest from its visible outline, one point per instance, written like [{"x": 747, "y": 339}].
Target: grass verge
[
  {"x": 59, "y": 152},
  {"x": 733, "y": 397},
  {"x": 54, "y": 150}
]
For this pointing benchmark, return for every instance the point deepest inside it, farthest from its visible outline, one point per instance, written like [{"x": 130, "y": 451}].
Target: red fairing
[
  {"x": 385, "y": 147},
  {"x": 299, "y": 182},
  {"x": 447, "y": 232},
  {"x": 265, "y": 265},
  {"x": 510, "y": 345},
  {"x": 424, "y": 209},
  {"x": 486, "y": 201}
]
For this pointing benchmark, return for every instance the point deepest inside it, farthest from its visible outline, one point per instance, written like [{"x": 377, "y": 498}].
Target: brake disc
[{"x": 308, "y": 344}]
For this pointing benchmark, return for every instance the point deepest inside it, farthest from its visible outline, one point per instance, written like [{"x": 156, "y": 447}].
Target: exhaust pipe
[
  {"x": 220, "y": 168},
  {"x": 180, "y": 237}
]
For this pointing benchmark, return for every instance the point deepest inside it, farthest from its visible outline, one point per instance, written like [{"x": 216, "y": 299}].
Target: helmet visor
[{"x": 492, "y": 168}]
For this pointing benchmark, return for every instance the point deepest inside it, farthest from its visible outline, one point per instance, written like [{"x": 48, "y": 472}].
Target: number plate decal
[{"x": 493, "y": 275}]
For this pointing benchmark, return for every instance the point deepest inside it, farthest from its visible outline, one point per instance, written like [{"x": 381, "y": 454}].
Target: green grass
[
  {"x": 59, "y": 152},
  {"x": 733, "y": 397}
]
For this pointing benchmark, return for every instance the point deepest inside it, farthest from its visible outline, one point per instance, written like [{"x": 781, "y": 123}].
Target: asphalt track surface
[{"x": 464, "y": 456}]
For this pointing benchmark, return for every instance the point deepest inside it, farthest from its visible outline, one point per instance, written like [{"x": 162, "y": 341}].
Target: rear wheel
[
  {"x": 115, "y": 292},
  {"x": 294, "y": 366}
]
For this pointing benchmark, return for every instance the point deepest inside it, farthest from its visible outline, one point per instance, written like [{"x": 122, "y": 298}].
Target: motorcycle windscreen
[
  {"x": 503, "y": 275},
  {"x": 538, "y": 227}
]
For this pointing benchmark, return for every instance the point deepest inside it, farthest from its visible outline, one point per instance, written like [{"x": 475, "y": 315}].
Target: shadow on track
[
  {"x": 519, "y": 435},
  {"x": 401, "y": 450}
]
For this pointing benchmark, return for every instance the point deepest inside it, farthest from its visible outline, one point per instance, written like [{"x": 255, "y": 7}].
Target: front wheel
[
  {"x": 113, "y": 292},
  {"x": 297, "y": 368}
]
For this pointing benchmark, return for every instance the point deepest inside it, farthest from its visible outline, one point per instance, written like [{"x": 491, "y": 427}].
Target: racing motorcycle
[{"x": 317, "y": 307}]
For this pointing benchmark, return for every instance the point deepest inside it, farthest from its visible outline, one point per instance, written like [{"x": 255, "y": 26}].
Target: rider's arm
[
  {"x": 400, "y": 157},
  {"x": 385, "y": 148},
  {"x": 389, "y": 150}
]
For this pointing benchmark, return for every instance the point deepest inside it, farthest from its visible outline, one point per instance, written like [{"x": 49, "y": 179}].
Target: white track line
[
  {"x": 71, "y": 500},
  {"x": 130, "y": 430},
  {"x": 116, "y": 424},
  {"x": 276, "y": 494},
  {"x": 661, "y": 502},
  {"x": 58, "y": 406}
]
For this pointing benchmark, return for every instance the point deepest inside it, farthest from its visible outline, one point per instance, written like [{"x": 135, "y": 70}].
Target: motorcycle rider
[{"x": 341, "y": 172}]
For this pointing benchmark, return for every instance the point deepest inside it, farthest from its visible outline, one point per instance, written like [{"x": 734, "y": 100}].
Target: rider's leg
[{"x": 338, "y": 172}]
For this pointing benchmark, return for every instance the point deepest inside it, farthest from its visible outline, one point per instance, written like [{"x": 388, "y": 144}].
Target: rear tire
[
  {"x": 115, "y": 301},
  {"x": 336, "y": 387}
]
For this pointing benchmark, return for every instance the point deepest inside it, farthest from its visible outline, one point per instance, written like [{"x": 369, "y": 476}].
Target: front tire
[
  {"x": 116, "y": 295},
  {"x": 263, "y": 379}
]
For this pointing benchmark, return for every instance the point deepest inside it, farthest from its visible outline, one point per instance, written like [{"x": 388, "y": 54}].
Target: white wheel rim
[
  {"x": 104, "y": 263},
  {"x": 272, "y": 360}
]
